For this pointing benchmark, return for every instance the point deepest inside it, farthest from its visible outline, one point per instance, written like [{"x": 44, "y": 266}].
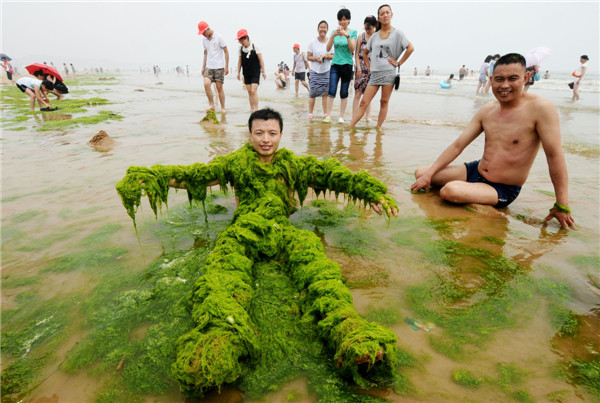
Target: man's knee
[
  {"x": 451, "y": 192},
  {"x": 420, "y": 172}
]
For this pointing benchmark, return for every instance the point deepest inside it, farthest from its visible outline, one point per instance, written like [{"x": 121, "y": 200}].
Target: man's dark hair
[
  {"x": 344, "y": 12},
  {"x": 39, "y": 72},
  {"x": 511, "y": 58},
  {"x": 265, "y": 114},
  {"x": 48, "y": 84}
]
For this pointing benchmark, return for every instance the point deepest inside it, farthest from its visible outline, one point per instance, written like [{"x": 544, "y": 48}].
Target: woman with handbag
[{"x": 381, "y": 56}]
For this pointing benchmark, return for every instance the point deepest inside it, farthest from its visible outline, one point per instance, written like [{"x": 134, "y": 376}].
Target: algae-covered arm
[
  {"x": 332, "y": 175},
  {"x": 154, "y": 183}
]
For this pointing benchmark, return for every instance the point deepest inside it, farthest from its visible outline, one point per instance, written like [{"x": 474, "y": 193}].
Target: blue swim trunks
[{"x": 506, "y": 193}]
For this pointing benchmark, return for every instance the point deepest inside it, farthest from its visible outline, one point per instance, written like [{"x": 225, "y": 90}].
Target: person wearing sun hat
[
  {"x": 250, "y": 62},
  {"x": 300, "y": 67},
  {"x": 215, "y": 65}
]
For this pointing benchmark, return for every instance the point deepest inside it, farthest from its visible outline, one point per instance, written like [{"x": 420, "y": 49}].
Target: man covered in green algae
[{"x": 265, "y": 179}]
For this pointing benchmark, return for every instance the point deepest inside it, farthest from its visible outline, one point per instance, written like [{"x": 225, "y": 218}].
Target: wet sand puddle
[{"x": 488, "y": 305}]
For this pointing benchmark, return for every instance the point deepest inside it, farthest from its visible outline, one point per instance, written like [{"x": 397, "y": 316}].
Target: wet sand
[{"x": 57, "y": 191}]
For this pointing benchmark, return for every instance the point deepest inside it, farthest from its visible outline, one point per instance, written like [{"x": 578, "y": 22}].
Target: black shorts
[
  {"x": 9, "y": 75},
  {"x": 300, "y": 76},
  {"x": 22, "y": 87},
  {"x": 251, "y": 79},
  {"x": 506, "y": 193}
]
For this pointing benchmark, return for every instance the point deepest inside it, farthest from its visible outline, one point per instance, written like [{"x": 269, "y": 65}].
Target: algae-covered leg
[
  {"x": 328, "y": 301},
  {"x": 211, "y": 353}
]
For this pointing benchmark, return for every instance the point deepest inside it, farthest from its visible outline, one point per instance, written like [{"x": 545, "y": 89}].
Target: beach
[{"x": 508, "y": 306}]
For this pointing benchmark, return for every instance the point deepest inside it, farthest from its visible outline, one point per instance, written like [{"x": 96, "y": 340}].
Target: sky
[{"x": 446, "y": 35}]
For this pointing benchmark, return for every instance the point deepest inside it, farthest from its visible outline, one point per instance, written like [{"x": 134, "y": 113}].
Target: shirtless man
[{"x": 515, "y": 126}]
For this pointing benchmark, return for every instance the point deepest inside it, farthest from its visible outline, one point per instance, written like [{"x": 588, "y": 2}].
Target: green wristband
[{"x": 561, "y": 208}]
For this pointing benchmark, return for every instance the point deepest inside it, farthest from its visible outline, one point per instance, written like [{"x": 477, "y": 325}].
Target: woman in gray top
[{"x": 381, "y": 56}]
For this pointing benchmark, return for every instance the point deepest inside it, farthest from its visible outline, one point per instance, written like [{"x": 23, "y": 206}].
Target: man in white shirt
[{"x": 216, "y": 64}]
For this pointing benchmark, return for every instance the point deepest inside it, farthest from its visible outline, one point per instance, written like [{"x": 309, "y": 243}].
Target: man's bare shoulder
[
  {"x": 486, "y": 109},
  {"x": 538, "y": 104}
]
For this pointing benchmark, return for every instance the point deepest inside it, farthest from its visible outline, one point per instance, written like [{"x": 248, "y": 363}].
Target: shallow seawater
[{"x": 509, "y": 302}]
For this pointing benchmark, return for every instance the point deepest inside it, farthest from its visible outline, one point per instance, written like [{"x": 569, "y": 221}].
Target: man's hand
[
  {"x": 383, "y": 204},
  {"x": 563, "y": 218},
  {"x": 424, "y": 182}
]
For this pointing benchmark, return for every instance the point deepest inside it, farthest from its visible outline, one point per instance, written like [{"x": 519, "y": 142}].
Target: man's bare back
[{"x": 515, "y": 126}]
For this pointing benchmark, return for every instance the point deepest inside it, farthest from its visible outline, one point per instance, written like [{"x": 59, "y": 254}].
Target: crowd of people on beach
[
  {"x": 336, "y": 58},
  {"x": 333, "y": 59}
]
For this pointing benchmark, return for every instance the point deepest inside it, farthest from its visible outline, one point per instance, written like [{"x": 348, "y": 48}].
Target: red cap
[
  {"x": 241, "y": 33},
  {"x": 296, "y": 46},
  {"x": 202, "y": 27}
]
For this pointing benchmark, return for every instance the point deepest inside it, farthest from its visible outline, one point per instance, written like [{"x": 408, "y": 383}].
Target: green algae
[
  {"x": 29, "y": 333},
  {"x": 27, "y": 216},
  {"x": 510, "y": 378},
  {"x": 564, "y": 320},
  {"x": 102, "y": 235},
  {"x": 586, "y": 261},
  {"x": 387, "y": 316},
  {"x": 546, "y": 192},
  {"x": 101, "y": 116},
  {"x": 558, "y": 396},
  {"x": 211, "y": 116},
  {"x": 503, "y": 298},
  {"x": 588, "y": 374},
  {"x": 89, "y": 259},
  {"x": 494, "y": 240},
  {"x": 12, "y": 282},
  {"x": 226, "y": 332},
  {"x": 466, "y": 378}
]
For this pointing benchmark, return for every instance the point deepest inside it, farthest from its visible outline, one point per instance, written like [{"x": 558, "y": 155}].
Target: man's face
[
  {"x": 208, "y": 33},
  {"x": 508, "y": 81},
  {"x": 265, "y": 136}
]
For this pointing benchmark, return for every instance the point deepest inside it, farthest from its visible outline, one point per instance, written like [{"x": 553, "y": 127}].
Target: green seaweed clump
[
  {"x": 211, "y": 116},
  {"x": 225, "y": 334},
  {"x": 588, "y": 374},
  {"x": 466, "y": 378}
]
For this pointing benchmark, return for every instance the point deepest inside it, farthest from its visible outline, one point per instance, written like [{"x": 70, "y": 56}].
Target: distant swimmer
[
  {"x": 515, "y": 127},
  {"x": 578, "y": 74},
  {"x": 462, "y": 72},
  {"x": 448, "y": 82},
  {"x": 428, "y": 71},
  {"x": 546, "y": 75}
]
